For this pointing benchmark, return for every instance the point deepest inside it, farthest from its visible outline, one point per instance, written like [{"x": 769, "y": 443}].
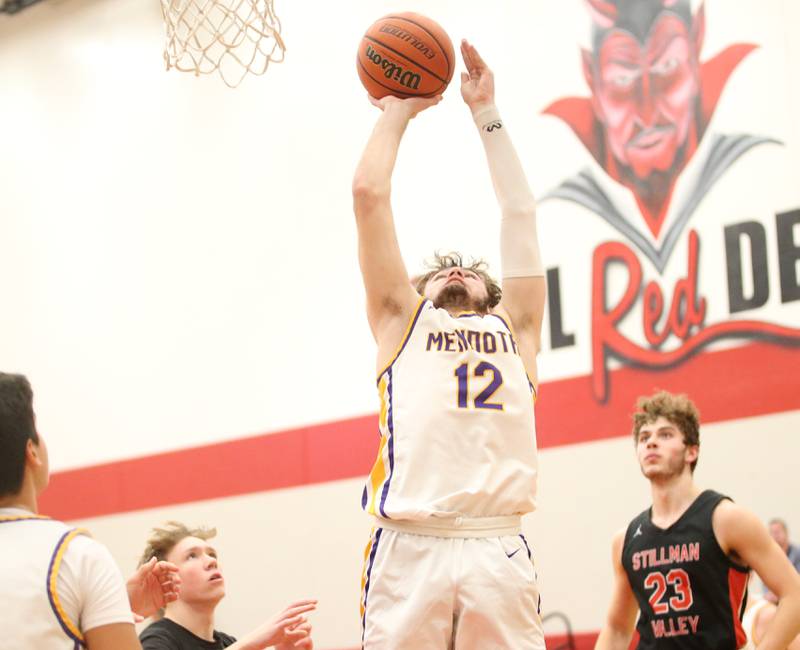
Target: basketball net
[{"x": 232, "y": 36}]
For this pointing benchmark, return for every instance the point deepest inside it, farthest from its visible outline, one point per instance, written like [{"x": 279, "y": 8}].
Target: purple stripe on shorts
[
  {"x": 390, "y": 425},
  {"x": 367, "y": 581},
  {"x": 525, "y": 541},
  {"x": 528, "y": 548}
]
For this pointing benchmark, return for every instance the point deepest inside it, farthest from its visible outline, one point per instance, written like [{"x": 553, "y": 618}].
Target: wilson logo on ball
[{"x": 405, "y": 78}]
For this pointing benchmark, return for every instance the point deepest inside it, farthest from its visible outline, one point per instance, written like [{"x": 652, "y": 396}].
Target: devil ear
[
  {"x": 590, "y": 75},
  {"x": 699, "y": 29},
  {"x": 587, "y": 61}
]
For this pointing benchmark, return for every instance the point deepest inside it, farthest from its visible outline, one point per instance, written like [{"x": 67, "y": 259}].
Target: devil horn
[{"x": 604, "y": 13}]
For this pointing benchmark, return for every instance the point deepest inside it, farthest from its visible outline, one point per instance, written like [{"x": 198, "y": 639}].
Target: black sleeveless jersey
[{"x": 690, "y": 594}]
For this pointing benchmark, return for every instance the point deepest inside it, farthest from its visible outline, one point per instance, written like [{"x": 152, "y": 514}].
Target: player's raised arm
[
  {"x": 390, "y": 297},
  {"x": 522, "y": 271},
  {"x": 741, "y": 533},
  {"x": 618, "y": 629}
]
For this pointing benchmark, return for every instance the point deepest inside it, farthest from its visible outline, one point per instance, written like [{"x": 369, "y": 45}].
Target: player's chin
[
  {"x": 216, "y": 589},
  {"x": 651, "y": 471},
  {"x": 451, "y": 295}
]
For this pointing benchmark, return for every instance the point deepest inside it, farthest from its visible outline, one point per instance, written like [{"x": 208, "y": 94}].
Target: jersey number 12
[{"x": 481, "y": 399}]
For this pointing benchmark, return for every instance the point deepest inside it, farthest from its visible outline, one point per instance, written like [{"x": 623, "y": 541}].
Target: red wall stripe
[
  {"x": 754, "y": 379},
  {"x": 578, "y": 641}
]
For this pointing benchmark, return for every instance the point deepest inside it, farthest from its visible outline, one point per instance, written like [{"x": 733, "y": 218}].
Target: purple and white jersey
[{"x": 458, "y": 436}]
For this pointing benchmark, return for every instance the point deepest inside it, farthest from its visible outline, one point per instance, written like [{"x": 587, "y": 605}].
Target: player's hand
[
  {"x": 477, "y": 83},
  {"x": 411, "y": 106},
  {"x": 152, "y": 586},
  {"x": 301, "y": 638},
  {"x": 284, "y": 630}
]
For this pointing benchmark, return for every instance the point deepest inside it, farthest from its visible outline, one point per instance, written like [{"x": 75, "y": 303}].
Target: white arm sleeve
[
  {"x": 519, "y": 241},
  {"x": 90, "y": 585}
]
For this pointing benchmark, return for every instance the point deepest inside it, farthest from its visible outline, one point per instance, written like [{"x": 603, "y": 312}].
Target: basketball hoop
[{"x": 232, "y": 36}]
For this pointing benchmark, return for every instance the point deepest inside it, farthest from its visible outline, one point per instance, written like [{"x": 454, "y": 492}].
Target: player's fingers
[
  {"x": 146, "y": 568},
  {"x": 301, "y": 628},
  {"x": 300, "y": 609},
  {"x": 295, "y": 609},
  {"x": 464, "y": 77},
  {"x": 302, "y": 602},
  {"x": 168, "y": 585},
  {"x": 295, "y": 634},
  {"x": 432, "y": 101},
  {"x": 467, "y": 56},
  {"x": 292, "y": 622},
  {"x": 478, "y": 60},
  {"x": 166, "y": 568}
]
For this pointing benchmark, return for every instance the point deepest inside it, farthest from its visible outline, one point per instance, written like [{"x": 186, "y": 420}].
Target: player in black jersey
[{"x": 683, "y": 563}]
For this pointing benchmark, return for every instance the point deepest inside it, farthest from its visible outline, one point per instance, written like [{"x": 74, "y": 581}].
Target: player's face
[
  {"x": 201, "y": 578},
  {"x": 645, "y": 95},
  {"x": 662, "y": 452},
  {"x": 778, "y": 533},
  {"x": 457, "y": 288}
]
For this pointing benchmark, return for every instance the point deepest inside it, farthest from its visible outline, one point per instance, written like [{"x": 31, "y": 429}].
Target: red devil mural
[
  {"x": 649, "y": 115},
  {"x": 651, "y": 104}
]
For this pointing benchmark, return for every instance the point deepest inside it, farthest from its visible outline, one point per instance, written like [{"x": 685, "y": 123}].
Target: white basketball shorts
[{"x": 443, "y": 589}]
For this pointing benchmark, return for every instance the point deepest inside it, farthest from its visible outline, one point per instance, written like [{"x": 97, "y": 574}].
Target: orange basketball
[{"x": 405, "y": 55}]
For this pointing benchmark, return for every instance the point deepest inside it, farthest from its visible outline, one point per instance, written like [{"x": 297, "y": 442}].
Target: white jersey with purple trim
[
  {"x": 458, "y": 436},
  {"x": 55, "y": 582}
]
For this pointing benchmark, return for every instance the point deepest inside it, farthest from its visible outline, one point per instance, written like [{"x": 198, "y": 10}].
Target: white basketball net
[{"x": 232, "y": 36}]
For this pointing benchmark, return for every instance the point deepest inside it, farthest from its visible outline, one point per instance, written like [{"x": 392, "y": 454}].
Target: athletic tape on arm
[{"x": 519, "y": 241}]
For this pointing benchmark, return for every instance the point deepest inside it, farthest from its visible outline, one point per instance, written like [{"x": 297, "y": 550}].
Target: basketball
[{"x": 405, "y": 55}]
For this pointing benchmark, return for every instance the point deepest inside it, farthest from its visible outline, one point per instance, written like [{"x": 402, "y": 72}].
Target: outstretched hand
[
  {"x": 152, "y": 586},
  {"x": 287, "y": 629},
  {"x": 413, "y": 106},
  {"x": 300, "y": 638},
  {"x": 477, "y": 83}
]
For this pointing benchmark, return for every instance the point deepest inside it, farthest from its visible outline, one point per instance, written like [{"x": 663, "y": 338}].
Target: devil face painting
[{"x": 651, "y": 103}]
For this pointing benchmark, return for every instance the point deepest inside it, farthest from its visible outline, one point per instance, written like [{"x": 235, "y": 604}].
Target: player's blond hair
[
  {"x": 678, "y": 409},
  {"x": 163, "y": 539}
]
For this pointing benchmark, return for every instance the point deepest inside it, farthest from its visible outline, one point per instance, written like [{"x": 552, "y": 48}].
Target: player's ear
[{"x": 32, "y": 454}]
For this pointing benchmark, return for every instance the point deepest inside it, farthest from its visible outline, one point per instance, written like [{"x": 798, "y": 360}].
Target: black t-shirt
[
  {"x": 168, "y": 635},
  {"x": 691, "y": 595}
]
